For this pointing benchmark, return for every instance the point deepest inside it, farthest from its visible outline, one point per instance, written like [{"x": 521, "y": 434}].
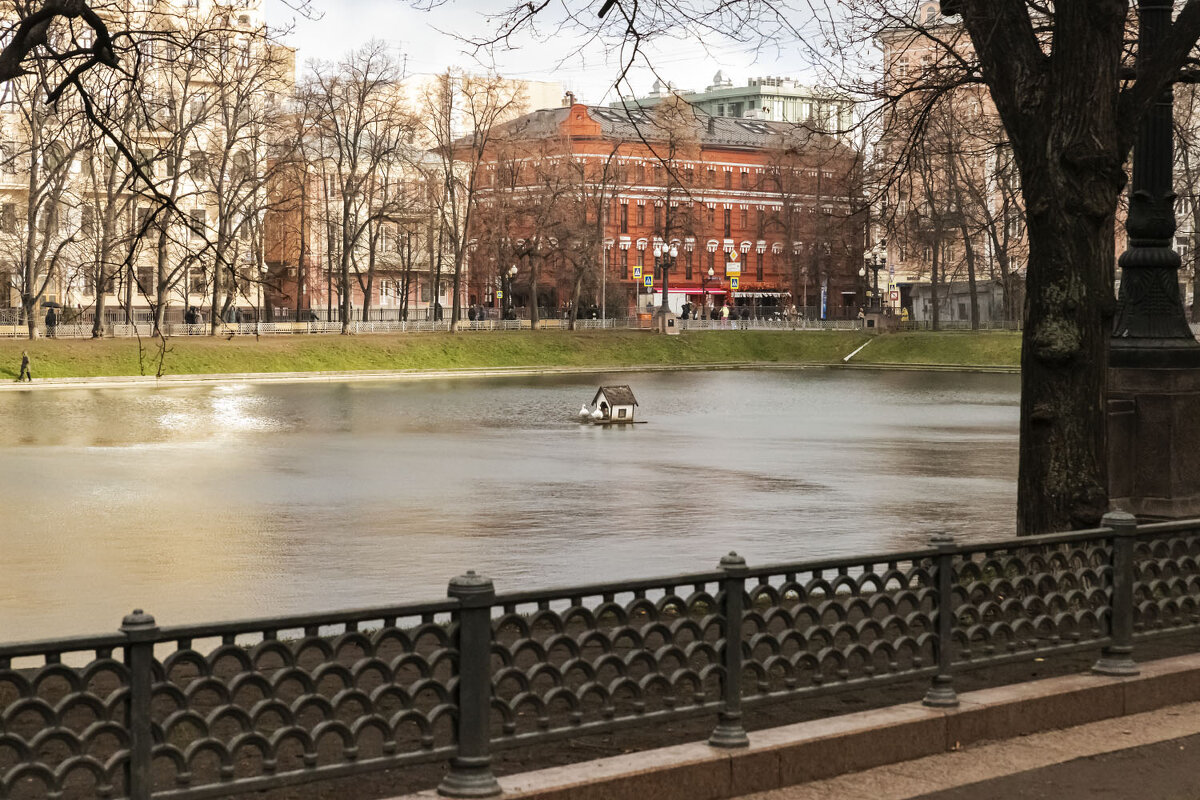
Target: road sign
[
  {"x": 637, "y": 273},
  {"x": 499, "y": 293},
  {"x": 733, "y": 284},
  {"x": 895, "y": 296},
  {"x": 732, "y": 265},
  {"x": 648, "y": 280}
]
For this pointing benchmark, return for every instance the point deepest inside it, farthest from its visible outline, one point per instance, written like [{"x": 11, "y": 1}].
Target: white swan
[{"x": 584, "y": 413}]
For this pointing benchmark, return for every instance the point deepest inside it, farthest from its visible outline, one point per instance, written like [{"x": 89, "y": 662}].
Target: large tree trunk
[
  {"x": 573, "y": 310},
  {"x": 934, "y": 282},
  {"x": 29, "y": 310},
  {"x": 161, "y": 283},
  {"x": 1064, "y": 357},
  {"x": 406, "y": 276},
  {"x": 370, "y": 283},
  {"x": 969, "y": 251},
  {"x": 98, "y": 317},
  {"x": 215, "y": 298},
  {"x": 302, "y": 259},
  {"x": 535, "y": 317},
  {"x": 456, "y": 304},
  {"x": 1063, "y": 117},
  {"x": 344, "y": 268}
]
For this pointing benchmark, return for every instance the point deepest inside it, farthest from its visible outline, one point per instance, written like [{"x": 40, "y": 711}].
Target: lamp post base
[
  {"x": 665, "y": 321},
  {"x": 1154, "y": 436}
]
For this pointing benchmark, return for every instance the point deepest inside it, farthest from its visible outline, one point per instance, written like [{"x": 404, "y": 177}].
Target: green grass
[
  {"x": 958, "y": 348},
  {"x": 69, "y": 358},
  {"x": 72, "y": 358}
]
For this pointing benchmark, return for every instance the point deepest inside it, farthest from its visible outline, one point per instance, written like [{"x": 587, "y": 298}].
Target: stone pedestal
[
  {"x": 877, "y": 321},
  {"x": 1154, "y": 440},
  {"x": 666, "y": 321}
]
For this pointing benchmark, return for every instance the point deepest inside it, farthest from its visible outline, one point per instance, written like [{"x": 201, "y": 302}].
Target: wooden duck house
[{"x": 613, "y": 405}]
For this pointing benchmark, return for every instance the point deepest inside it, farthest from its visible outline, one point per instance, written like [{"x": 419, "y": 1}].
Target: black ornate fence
[{"x": 212, "y": 710}]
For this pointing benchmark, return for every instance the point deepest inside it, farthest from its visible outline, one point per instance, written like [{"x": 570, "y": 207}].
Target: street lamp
[
  {"x": 874, "y": 260},
  {"x": 862, "y": 279},
  {"x": 664, "y": 257},
  {"x": 1150, "y": 327}
]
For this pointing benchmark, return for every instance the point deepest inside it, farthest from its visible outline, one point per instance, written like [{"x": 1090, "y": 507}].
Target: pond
[{"x": 218, "y": 502}]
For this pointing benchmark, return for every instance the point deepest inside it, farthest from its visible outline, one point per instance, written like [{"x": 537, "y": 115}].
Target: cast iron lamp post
[
  {"x": 874, "y": 260},
  {"x": 1150, "y": 328},
  {"x": 665, "y": 257},
  {"x": 705, "y": 277}
]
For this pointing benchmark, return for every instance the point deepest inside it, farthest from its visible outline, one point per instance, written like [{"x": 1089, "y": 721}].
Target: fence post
[
  {"x": 139, "y": 629},
  {"x": 470, "y": 772},
  {"x": 729, "y": 731},
  {"x": 941, "y": 692},
  {"x": 1117, "y": 658}
]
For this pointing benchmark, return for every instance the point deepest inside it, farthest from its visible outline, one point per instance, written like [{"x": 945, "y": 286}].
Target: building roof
[
  {"x": 635, "y": 124},
  {"x": 617, "y": 395}
]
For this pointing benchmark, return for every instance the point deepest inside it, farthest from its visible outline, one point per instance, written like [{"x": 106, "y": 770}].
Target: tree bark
[
  {"x": 535, "y": 317},
  {"x": 1064, "y": 358},
  {"x": 934, "y": 279},
  {"x": 969, "y": 252}
]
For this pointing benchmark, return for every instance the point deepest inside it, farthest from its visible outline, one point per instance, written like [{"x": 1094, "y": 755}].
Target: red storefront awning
[{"x": 690, "y": 290}]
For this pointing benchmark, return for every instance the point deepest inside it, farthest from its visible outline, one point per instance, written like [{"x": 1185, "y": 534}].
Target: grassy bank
[
  {"x": 958, "y": 348},
  {"x": 71, "y": 358}
]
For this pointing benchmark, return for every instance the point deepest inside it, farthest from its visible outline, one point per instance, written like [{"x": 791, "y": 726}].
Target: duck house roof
[{"x": 616, "y": 395}]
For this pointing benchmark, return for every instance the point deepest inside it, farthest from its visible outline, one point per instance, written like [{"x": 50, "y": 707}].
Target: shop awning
[
  {"x": 690, "y": 290},
  {"x": 757, "y": 294}
]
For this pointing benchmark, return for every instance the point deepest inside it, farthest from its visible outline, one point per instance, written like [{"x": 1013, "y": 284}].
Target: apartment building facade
[
  {"x": 171, "y": 217},
  {"x": 761, "y": 214}
]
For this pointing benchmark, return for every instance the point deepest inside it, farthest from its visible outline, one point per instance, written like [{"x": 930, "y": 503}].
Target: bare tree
[
  {"x": 42, "y": 231},
  {"x": 246, "y": 75},
  {"x": 595, "y": 177},
  {"x": 462, "y": 112},
  {"x": 356, "y": 103}
]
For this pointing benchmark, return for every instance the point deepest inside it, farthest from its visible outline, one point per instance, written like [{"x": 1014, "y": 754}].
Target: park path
[{"x": 1150, "y": 756}]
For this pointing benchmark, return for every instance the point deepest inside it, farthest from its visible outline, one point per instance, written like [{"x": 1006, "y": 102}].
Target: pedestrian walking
[{"x": 26, "y": 373}]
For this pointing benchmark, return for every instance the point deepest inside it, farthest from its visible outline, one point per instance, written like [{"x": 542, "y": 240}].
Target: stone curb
[
  {"x": 123, "y": 381},
  {"x": 809, "y": 751}
]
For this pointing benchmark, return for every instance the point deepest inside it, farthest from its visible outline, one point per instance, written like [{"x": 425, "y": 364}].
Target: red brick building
[{"x": 577, "y": 198}]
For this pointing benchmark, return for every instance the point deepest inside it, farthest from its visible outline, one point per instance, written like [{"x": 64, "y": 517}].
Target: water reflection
[{"x": 202, "y": 503}]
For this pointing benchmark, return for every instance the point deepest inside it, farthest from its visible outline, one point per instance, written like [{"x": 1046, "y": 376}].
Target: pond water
[{"x": 217, "y": 502}]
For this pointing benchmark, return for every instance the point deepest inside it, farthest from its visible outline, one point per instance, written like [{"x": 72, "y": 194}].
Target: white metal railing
[{"x": 83, "y": 328}]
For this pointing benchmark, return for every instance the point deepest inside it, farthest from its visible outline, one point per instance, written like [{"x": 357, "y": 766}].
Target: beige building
[
  {"x": 80, "y": 227},
  {"x": 950, "y": 210}
]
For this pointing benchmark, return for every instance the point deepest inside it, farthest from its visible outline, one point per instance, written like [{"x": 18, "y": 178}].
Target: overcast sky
[{"x": 417, "y": 36}]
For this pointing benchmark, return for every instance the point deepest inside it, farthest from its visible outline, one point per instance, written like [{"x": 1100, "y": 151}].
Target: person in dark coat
[
  {"x": 26, "y": 372},
  {"x": 51, "y": 323}
]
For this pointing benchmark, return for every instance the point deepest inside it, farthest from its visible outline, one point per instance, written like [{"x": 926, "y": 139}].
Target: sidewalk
[{"x": 1150, "y": 756}]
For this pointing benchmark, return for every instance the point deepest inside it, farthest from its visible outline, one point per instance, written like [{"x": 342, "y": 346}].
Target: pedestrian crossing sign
[
  {"x": 499, "y": 293},
  {"x": 648, "y": 281},
  {"x": 637, "y": 272},
  {"x": 733, "y": 284}
]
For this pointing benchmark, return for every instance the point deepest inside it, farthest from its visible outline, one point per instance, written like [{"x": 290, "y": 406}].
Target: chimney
[{"x": 569, "y": 99}]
